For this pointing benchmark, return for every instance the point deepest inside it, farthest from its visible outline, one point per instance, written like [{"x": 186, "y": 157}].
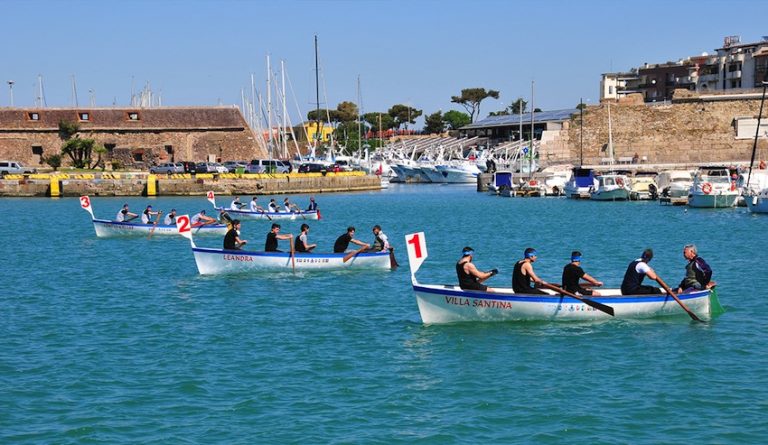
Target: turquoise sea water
[{"x": 121, "y": 341}]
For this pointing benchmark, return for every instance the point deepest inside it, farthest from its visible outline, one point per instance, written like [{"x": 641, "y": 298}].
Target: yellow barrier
[
  {"x": 151, "y": 185},
  {"x": 204, "y": 176},
  {"x": 55, "y": 189},
  {"x": 13, "y": 177}
]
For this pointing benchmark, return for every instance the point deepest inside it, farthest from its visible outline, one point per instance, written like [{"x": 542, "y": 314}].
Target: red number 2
[
  {"x": 183, "y": 224},
  {"x": 416, "y": 245}
]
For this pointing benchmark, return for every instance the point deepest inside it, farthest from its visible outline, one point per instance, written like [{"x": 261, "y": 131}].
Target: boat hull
[
  {"x": 247, "y": 214},
  {"x": 219, "y": 261},
  {"x": 450, "y": 304},
  {"x": 107, "y": 229},
  {"x": 617, "y": 194},
  {"x": 712, "y": 201},
  {"x": 757, "y": 204}
]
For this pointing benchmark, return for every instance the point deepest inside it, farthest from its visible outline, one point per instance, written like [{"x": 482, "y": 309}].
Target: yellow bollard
[
  {"x": 55, "y": 187},
  {"x": 152, "y": 185}
]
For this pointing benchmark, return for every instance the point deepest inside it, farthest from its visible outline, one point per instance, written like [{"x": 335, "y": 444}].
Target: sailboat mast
[
  {"x": 757, "y": 133},
  {"x": 359, "y": 121},
  {"x": 74, "y": 92},
  {"x": 285, "y": 111},
  {"x": 317, "y": 97},
  {"x": 269, "y": 108},
  {"x": 610, "y": 136},
  {"x": 530, "y": 154}
]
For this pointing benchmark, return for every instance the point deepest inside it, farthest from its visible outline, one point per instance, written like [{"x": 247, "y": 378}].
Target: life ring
[
  {"x": 620, "y": 181},
  {"x": 532, "y": 182},
  {"x": 706, "y": 188}
]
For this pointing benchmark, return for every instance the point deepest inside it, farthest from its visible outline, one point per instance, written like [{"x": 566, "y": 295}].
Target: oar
[
  {"x": 157, "y": 220},
  {"x": 599, "y": 306},
  {"x": 672, "y": 294},
  {"x": 265, "y": 214},
  {"x": 354, "y": 253},
  {"x": 392, "y": 261},
  {"x": 293, "y": 257}
]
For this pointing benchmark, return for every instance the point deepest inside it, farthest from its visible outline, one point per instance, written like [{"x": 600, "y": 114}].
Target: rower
[
  {"x": 312, "y": 204},
  {"x": 342, "y": 242},
  {"x": 146, "y": 215},
  {"x": 572, "y": 273},
  {"x": 124, "y": 215},
  {"x": 636, "y": 272},
  {"x": 255, "y": 207},
  {"x": 272, "y": 238},
  {"x": 201, "y": 219},
  {"x": 236, "y": 204},
  {"x": 301, "y": 244},
  {"x": 170, "y": 218},
  {"x": 469, "y": 277},
  {"x": 523, "y": 274},
  {"x": 232, "y": 239}
]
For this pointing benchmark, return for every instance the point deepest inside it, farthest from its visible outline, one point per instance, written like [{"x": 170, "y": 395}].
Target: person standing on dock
[
  {"x": 170, "y": 218},
  {"x": 125, "y": 215},
  {"x": 273, "y": 237},
  {"x": 523, "y": 274},
  {"x": 469, "y": 277},
  {"x": 146, "y": 215},
  {"x": 698, "y": 274},
  {"x": 232, "y": 239},
  {"x": 572, "y": 273},
  {"x": 342, "y": 242},
  {"x": 302, "y": 243},
  {"x": 636, "y": 272}
]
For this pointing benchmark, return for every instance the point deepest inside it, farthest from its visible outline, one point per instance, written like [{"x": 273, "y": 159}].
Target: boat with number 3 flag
[
  {"x": 106, "y": 228},
  {"x": 220, "y": 261},
  {"x": 448, "y": 303}
]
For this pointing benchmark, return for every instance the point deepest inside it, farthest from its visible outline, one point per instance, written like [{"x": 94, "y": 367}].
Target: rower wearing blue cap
[
  {"x": 572, "y": 273},
  {"x": 469, "y": 277},
  {"x": 523, "y": 275}
]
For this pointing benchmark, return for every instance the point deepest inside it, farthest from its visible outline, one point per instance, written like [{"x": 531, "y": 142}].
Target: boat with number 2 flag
[
  {"x": 448, "y": 303},
  {"x": 220, "y": 261},
  {"x": 106, "y": 228}
]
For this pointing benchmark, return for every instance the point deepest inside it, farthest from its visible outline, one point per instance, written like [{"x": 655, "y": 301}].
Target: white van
[
  {"x": 14, "y": 168},
  {"x": 268, "y": 166}
]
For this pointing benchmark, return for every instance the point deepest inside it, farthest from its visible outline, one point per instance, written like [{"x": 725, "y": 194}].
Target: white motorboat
[
  {"x": 674, "y": 183},
  {"x": 611, "y": 187},
  {"x": 713, "y": 188},
  {"x": 581, "y": 184}
]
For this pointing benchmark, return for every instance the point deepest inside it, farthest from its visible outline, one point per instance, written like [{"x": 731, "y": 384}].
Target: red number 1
[{"x": 416, "y": 245}]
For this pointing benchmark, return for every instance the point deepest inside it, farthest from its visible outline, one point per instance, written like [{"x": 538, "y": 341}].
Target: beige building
[{"x": 137, "y": 137}]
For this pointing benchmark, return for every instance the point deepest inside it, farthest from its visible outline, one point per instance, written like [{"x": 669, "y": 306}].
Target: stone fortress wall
[{"x": 692, "y": 129}]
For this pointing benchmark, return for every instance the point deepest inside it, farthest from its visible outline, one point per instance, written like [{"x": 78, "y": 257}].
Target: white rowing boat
[
  {"x": 106, "y": 228},
  {"x": 449, "y": 303},
  {"x": 219, "y": 261},
  {"x": 248, "y": 214}
]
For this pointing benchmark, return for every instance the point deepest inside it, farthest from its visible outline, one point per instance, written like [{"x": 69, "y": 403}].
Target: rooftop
[{"x": 514, "y": 119}]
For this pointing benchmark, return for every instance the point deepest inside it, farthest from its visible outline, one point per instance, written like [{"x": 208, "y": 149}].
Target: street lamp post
[
  {"x": 10, "y": 89},
  {"x": 581, "y": 132}
]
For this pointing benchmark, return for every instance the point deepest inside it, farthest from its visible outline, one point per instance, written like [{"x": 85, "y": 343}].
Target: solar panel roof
[{"x": 514, "y": 119}]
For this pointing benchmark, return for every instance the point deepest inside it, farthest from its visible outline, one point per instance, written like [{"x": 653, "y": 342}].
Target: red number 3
[{"x": 85, "y": 202}]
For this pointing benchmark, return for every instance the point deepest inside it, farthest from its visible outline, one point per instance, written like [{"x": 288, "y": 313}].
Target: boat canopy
[
  {"x": 503, "y": 178},
  {"x": 583, "y": 176}
]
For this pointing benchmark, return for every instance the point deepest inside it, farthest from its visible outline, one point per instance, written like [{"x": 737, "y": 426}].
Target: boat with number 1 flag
[
  {"x": 263, "y": 214},
  {"x": 448, "y": 303},
  {"x": 106, "y": 228},
  {"x": 212, "y": 261}
]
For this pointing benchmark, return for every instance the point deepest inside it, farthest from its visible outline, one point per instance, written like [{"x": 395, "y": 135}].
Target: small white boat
[
  {"x": 713, "y": 188},
  {"x": 248, "y": 214},
  {"x": 581, "y": 183},
  {"x": 462, "y": 172},
  {"x": 758, "y": 203},
  {"x": 447, "y": 303},
  {"x": 644, "y": 187},
  {"x": 106, "y": 229},
  {"x": 219, "y": 261},
  {"x": 611, "y": 187},
  {"x": 501, "y": 180},
  {"x": 674, "y": 183}
]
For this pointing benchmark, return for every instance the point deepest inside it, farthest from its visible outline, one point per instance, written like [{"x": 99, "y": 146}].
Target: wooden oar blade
[{"x": 599, "y": 306}]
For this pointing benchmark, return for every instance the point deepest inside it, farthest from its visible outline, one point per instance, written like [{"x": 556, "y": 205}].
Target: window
[
  {"x": 610, "y": 89},
  {"x": 33, "y": 116},
  {"x": 84, "y": 116},
  {"x": 109, "y": 147},
  {"x": 133, "y": 116}
]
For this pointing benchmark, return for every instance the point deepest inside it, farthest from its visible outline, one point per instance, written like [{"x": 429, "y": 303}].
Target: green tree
[
  {"x": 403, "y": 115},
  {"x": 347, "y": 111},
  {"x": 518, "y": 107},
  {"x": 100, "y": 150},
  {"x": 68, "y": 129},
  {"x": 434, "y": 123},
  {"x": 79, "y": 151},
  {"x": 456, "y": 119},
  {"x": 470, "y": 99},
  {"x": 581, "y": 105},
  {"x": 378, "y": 121},
  {"x": 54, "y": 161}
]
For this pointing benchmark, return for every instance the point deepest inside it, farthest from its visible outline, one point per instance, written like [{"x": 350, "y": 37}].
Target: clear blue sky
[{"x": 417, "y": 52}]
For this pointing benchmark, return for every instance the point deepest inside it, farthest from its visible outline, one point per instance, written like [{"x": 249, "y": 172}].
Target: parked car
[
  {"x": 268, "y": 166},
  {"x": 215, "y": 167},
  {"x": 313, "y": 167},
  {"x": 14, "y": 168},
  {"x": 232, "y": 166},
  {"x": 201, "y": 167},
  {"x": 189, "y": 167},
  {"x": 168, "y": 167}
]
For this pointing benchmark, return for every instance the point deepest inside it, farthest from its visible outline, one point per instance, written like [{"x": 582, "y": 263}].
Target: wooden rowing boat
[
  {"x": 450, "y": 304},
  {"x": 106, "y": 228},
  {"x": 219, "y": 261},
  {"x": 248, "y": 214}
]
